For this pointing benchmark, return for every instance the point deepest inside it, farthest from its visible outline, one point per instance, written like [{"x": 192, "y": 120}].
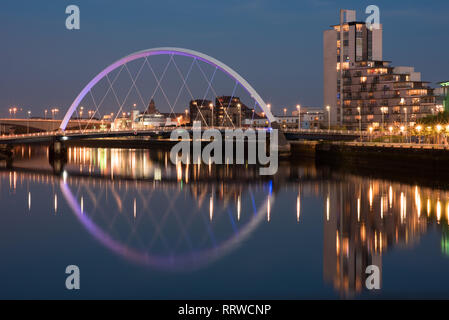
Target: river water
[{"x": 138, "y": 226}]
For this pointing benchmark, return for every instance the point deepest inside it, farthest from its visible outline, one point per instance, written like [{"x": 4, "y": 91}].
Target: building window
[{"x": 417, "y": 92}]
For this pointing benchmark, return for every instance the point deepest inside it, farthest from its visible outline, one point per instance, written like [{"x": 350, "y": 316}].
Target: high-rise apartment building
[
  {"x": 344, "y": 45},
  {"x": 377, "y": 95},
  {"x": 360, "y": 89}
]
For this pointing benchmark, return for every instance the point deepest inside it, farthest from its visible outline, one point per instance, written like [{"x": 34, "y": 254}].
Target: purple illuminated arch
[{"x": 167, "y": 51}]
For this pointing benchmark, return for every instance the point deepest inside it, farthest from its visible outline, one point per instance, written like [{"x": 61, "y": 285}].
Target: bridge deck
[{"x": 49, "y": 136}]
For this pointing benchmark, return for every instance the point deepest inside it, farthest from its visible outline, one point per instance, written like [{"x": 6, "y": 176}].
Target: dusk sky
[{"x": 275, "y": 45}]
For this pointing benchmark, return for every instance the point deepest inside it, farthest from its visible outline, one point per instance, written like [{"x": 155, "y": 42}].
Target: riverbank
[{"x": 412, "y": 161}]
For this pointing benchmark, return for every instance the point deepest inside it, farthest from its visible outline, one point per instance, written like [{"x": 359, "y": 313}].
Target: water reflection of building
[{"x": 363, "y": 219}]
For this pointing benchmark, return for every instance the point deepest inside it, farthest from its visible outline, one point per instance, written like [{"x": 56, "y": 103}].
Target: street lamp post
[
  {"x": 383, "y": 111},
  {"x": 212, "y": 111},
  {"x": 360, "y": 122},
  {"x": 28, "y": 122},
  {"x": 406, "y": 124},
  {"x": 54, "y": 112},
  {"x": 419, "y": 128},
  {"x": 298, "y": 108},
  {"x": 240, "y": 114},
  {"x": 328, "y": 108},
  {"x": 12, "y": 111}
]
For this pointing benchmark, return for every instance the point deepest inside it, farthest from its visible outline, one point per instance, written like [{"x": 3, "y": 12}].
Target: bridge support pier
[
  {"x": 284, "y": 147},
  {"x": 57, "y": 156},
  {"x": 6, "y": 154},
  {"x": 58, "y": 150}
]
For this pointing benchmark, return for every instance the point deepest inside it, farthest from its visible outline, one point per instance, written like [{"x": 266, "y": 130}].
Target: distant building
[
  {"x": 311, "y": 118},
  {"x": 151, "y": 108},
  {"x": 226, "y": 112},
  {"x": 442, "y": 96},
  {"x": 377, "y": 94},
  {"x": 231, "y": 111},
  {"x": 201, "y": 110}
]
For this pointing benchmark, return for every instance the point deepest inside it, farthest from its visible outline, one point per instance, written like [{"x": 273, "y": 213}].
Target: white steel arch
[{"x": 167, "y": 51}]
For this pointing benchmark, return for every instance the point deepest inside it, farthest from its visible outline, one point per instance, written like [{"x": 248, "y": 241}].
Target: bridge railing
[
  {"x": 327, "y": 131},
  {"x": 168, "y": 129}
]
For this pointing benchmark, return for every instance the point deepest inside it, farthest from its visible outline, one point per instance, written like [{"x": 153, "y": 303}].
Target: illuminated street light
[
  {"x": 54, "y": 112},
  {"x": 328, "y": 108},
  {"x": 240, "y": 114},
  {"x": 28, "y": 122},
  {"x": 418, "y": 129},
  {"x": 13, "y": 111},
  {"x": 298, "y": 107},
  {"x": 383, "y": 110},
  {"x": 360, "y": 121},
  {"x": 211, "y": 106}
]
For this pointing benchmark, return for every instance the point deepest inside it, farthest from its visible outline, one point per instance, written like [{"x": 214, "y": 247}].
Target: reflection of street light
[
  {"x": 298, "y": 107},
  {"x": 328, "y": 108}
]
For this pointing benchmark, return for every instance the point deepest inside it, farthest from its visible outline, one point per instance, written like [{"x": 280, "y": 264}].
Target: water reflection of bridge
[{"x": 363, "y": 218}]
